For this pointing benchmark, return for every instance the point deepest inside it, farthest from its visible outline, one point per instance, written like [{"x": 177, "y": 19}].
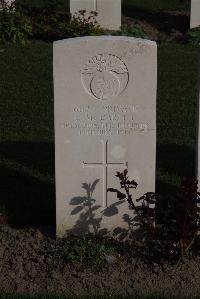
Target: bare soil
[{"x": 31, "y": 261}]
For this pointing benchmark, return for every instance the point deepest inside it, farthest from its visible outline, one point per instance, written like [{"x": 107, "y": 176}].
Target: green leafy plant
[
  {"x": 181, "y": 220},
  {"x": 81, "y": 24},
  {"x": 180, "y": 226},
  {"x": 134, "y": 30},
  {"x": 39, "y": 5},
  {"x": 145, "y": 212},
  {"x": 47, "y": 25},
  {"x": 44, "y": 21},
  {"x": 86, "y": 252},
  {"x": 52, "y": 25},
  {"x": 194, "y": 36},
  {"x": 45, "y": 17},
  {"x": 15, "y": 27}
]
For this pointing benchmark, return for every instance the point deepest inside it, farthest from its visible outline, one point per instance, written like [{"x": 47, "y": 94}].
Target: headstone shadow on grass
[
  {"x": 27, "y": 193},
  {"x": 178, "y": 160}
]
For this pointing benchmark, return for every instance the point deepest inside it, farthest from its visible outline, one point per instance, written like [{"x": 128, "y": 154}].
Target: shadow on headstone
[
  {"x": 85, "y": 206},
  {"x": 89, "y": 216}
]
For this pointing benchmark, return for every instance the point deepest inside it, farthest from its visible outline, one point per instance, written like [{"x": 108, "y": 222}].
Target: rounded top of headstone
[{"x": 106, "y": 38}]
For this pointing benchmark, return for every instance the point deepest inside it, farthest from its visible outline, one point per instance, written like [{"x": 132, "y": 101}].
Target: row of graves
[{"x": 105, "y": 121}]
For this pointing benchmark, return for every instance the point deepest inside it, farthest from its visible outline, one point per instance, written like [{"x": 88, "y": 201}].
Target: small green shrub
[
  {"x": 46, "y": 17},
  {"x": 38, "y": 5},
  {"x": 81, "y": 24},
  {"x": 46, "y": 25},
  {"x": 50, "y": 25},
  {"x": 87, "y": 252},
  {"x": 131, "y": 30},
  {"x": 23, "y": 20},
  {"x": 15, "y": 27},
  {"x": 194, "y": 36}
]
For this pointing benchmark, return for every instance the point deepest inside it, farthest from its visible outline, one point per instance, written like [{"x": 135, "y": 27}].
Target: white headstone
[
  {"x": 195, "y": 14},
  {"x": 109, "y": 11},
  {"x": 10, "y": 1},
  {"x": 105, "y": 121}
]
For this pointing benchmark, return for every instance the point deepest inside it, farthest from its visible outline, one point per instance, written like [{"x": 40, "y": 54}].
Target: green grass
[
  {"x": 56, "y": 5},
  {"x": 150, "y": 5},
  {"x": 26, "y": 87},
  {"x": 27, "y": 135},
  {"x": 156, "y": 5},
  {"x": 176, "y": 112},
  {"x": 87, "y": 252}
]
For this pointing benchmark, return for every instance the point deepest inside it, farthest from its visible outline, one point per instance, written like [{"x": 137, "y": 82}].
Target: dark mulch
[{"x": 31, "y": 262}]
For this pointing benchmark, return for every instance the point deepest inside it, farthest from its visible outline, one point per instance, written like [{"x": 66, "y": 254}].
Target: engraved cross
[{"x": 105, "y": 165}]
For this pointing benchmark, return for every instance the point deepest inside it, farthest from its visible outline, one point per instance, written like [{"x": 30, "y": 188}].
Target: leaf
[
  {"x": 77, "y": 201},
  {"x": 95, "y": 208},
  {"x": 121, "y": 195},
  {"x": 112, "y": 190},
  {"x": 94, "y": 185},
  {"x": 110, "y": 211},
  {"x": 85, "y": 186},
  {"x": 149, "y": 197},
  {"x": 134, "y": 183},
  {"x": 76, "y": 210},
  {"x": 125, "y": 172},
  {"x": 119, "y": 175}
]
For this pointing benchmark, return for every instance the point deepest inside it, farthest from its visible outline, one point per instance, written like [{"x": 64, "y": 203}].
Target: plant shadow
[
  {"x": 28, "y": 191},
  {"x": 90, "y": 214}
]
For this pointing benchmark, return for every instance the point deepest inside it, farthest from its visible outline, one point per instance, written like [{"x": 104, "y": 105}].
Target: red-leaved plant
[{"x": 180, "y": 218}]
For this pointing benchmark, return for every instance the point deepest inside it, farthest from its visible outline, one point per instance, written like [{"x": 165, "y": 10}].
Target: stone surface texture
[
  {"x": 10, "y": 1},
  {"x": 109, "y": 11},
  {"x": 195, "y": 14},
  {"x": 105, "y": 121}
]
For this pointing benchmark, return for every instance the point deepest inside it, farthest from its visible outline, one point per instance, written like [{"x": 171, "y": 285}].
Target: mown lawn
[
  {"x": 27, "y": 134},
  {"x": 149, "y": 5}
]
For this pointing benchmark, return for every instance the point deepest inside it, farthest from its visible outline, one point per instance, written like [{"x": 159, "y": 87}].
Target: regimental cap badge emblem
[{"x": 105, "y": 76}]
